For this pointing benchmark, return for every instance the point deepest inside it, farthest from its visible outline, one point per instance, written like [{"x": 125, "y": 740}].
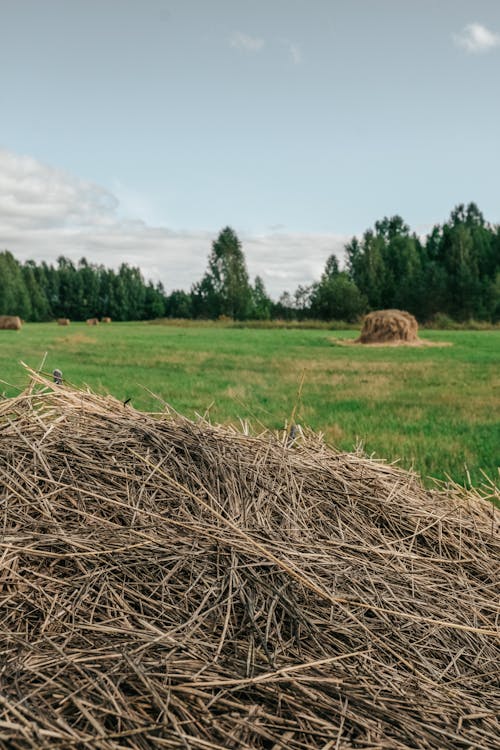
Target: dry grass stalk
[{"x": 165, "y": 584}]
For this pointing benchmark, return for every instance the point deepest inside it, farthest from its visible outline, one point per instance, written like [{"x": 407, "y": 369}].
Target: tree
[
  {"x": 154, "y": 301},
  {"x": 70, "y": 300},
  {"x": 261, "y": 302},
  {"x": 284, "y": 308},
  {"x": 90, "y": 303},
  {"x": 132, "y": 290},
  {"x": 365, "y": 263},
  {"x": 465, "y": 249},
  {"x": 386, "y": 265},
  {"x": 40, "y": 292},
  {"x": 39, "y": 304},
  {"x": 302, "y": 301},
  {"x": 118, "y": 304},
  {"x": 495, "y": 298},
  {"x": 48, "y": 280},
  {"x": 14, "y": 297},
  {"x": 179, "y": 305},
  {"x": 337, "y": 298},
  {"x": 225, "y": 288},
  {"x": 331, "y": 267}
]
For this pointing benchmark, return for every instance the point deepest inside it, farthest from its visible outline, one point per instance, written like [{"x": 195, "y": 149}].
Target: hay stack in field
[
  {"x": 92, "y": 321},
  {"x": 63, "y": 321},
  {"x": 105, "y": 320},
  {"x": 165, "y": 584},
  {"x": 389, "y": 326},
  {"x": 10, "y": 323}
]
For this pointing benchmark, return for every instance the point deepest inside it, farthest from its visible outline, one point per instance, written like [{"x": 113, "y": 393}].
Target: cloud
[
  {"x": 33, "y": 195},
  {"x": 287, "y": 259},
  {"x": 238, "y": 40},
  {"x": 295, "y": 52},
  {"x": 475, "y": 38},
  {"x": 247, "y": 43},
  {"x": 45, "y": 213}
]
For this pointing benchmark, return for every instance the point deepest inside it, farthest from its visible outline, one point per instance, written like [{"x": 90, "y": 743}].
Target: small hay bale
[
  {"x": 92, "y": 321},
  {"x": 389, "y": 326},
  {"x": 63, "y": 321},
  {"x": 10, "y": 323},
  {"x": 105, "y": 320}
]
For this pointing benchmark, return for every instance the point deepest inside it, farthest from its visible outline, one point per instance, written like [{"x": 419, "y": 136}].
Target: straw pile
[
  {"x": 389, "y": 326},
  {"x": 165, "y": 584},
  {"x": 10, "y": 323}
]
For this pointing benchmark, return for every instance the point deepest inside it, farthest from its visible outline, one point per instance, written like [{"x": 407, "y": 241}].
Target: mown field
[{"x": 435, "y": 409}]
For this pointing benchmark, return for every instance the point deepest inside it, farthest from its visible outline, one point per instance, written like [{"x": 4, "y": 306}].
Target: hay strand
[{"x": 169, "y": 584}]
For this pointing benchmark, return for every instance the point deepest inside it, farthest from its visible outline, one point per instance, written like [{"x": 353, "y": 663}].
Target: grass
[{"x": 435, "y": 409}]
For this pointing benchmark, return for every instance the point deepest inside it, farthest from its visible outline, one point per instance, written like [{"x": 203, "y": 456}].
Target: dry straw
[
  {"x": 165, "y": 584},
  {"x": 389, "y": 326}
]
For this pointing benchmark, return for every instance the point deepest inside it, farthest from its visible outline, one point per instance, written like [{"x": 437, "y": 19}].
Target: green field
[{"x": 436, "y": 409}]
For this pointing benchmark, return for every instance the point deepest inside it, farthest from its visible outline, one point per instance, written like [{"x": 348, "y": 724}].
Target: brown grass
[
  {"x": 166, "y": 584},
  {"x": 75, "y": 339}
]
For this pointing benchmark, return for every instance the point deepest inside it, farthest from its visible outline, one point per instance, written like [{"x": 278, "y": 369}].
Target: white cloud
[
  {"x": 475, "y": 38},
  {"x": 287, "y": 259},
  {"x": 33, "y": 195},
  {"x": 246, "y": 42},
  {"x": 295, "y": 54},
  {"x": 294, "y": 51},
  {"x": 45, "y": 212}
]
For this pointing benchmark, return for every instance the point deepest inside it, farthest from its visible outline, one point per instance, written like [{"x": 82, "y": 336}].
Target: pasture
[{"x": 434, "y": 409}]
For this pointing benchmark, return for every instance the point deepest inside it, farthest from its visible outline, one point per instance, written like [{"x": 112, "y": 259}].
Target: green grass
[{"x": 434, "y": 408}]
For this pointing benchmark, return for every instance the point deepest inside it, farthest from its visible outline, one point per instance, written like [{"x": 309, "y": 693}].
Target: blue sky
[{"x": 136, "y": 129}]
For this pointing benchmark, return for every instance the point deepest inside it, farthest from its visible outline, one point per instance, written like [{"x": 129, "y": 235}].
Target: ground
[{"x": 433, "y": 408}]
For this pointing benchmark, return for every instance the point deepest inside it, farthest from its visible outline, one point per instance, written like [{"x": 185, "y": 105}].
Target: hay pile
[
  {"x": 165, "y": 584},
  {"x": 389, "y": 327},
  {"x": 10, "y": 323}
]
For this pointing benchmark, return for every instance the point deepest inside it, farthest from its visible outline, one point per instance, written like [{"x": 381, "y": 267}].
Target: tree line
[
  {"x": 41, "y": 292},
  {"x": 454, "y": 270}
]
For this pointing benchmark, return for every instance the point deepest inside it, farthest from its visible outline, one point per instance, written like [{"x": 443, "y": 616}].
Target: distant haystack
[
  {"x": 10, "y": 322},
  {"x": 389, "y": 327},
  {"x": 105, "y": 320},
  {"x": 63, "y": 321},
  {"x": 93, "y": 322}
]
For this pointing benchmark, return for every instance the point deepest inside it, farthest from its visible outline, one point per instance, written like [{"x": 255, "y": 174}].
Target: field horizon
[{"x": 431, "y": 409}]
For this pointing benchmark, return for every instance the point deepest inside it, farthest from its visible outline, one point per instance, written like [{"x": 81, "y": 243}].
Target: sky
[{"x": 135, "y": 130}]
